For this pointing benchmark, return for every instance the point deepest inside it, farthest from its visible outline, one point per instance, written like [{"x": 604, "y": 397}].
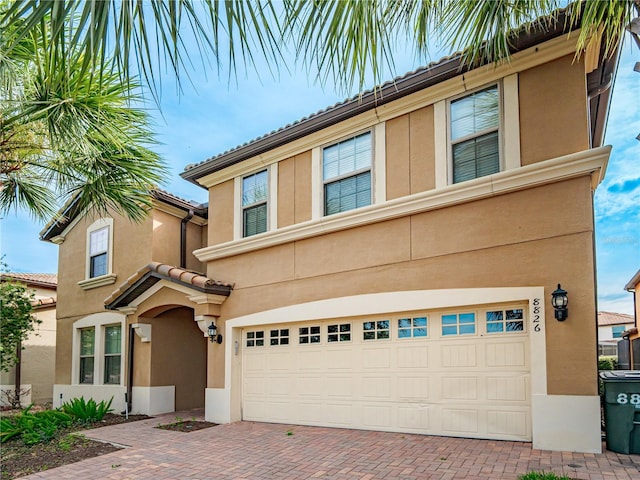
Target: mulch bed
[
  {"x": 186, "y": 426},
  {"x": 70, "y": 446}
]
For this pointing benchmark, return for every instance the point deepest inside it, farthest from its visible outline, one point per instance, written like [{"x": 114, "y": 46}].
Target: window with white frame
[
  {"x": 98, "y": 252},
  {"x": 112, "y": 354},
  {"x": 412, "y": 327},
  {"x": 254, "y": 203},
  {"x": 339, "y": 333},
  {"x": 309, "y": 334},
  {"x": 346, "y": 173},
  {"x": 509, "y": 320},
  {"x": 375, "y": 330},
  {"x": 279, "y": 336},
  {"x": 97, "y": 349},
  {"x": 475, "y": 134},
  {"x": 458, "y": 324},
  {"x": 87, "y": 354},
  {"x": 99, "y": 257},
  {"x": 255, "y": 339}
]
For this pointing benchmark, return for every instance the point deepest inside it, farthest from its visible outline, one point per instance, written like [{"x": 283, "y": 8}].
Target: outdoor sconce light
[
  {"x": 559, "y": 300},
  {"x": 214, "y": 336}
]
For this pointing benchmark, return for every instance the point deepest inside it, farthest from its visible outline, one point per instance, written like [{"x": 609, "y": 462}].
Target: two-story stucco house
[{"x": 386, "y": 263}]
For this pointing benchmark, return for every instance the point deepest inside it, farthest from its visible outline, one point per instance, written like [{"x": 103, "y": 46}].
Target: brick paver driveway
[{"x": 247, "y": 450}]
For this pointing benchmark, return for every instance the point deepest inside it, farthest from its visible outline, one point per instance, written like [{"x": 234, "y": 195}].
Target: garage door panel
[
  {"x": 340, "y": 386},
  {"x": 413, "y": 388},
  {"x": 279, "y": 386},
  {"x": 340, "y": 415},
  {"x": 255, "y": 385},
  {"x": 464, "y": 355},
  {"x": 506, "y": 354},
  {"x": 311, "y": 386},
  {"x": 378, "y": 416},
  {"x": 503, "y": 388},
  {"x": 413, "y": 417},
  {"x": 340, "y": 359},
  {"x": 376, "y": 358},
  {"x": 376, "y": 387},
  {"x": 279, "y": 361},
  {"x": 311, "y": 360},
  {"x": 254, "y": 364},
  {"x": 459, "y": 421},
  {"x": 500, "y": 422},
  {"x": 460, "y": 388},
  {"x": 412, "y": 356}
]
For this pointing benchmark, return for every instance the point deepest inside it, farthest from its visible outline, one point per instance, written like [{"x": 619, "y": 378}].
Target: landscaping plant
[
  {"x": 542, "y": 476},
  {"x": 86, "y": 411},
  {"x": 35, "y": 427}
]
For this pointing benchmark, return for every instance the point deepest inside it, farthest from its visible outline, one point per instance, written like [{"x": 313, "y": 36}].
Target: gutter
[{"x": 183, "y": 238}]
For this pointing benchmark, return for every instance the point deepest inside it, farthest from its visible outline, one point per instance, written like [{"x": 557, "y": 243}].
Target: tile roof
[
  {"x": 609, "y": 318},
  {"x": 47, "y": 280},
  {"x": 150, "y": 274},
  {"x": 44, "y": 302},
  {"x": 526, "y": 36}
]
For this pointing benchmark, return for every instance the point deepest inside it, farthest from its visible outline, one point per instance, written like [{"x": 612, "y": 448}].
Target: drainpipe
[
  {"x": 605, "y": 84},
  {"x": 183, "y": 238},
  {"x": 18, "y": 375},
  {"x": 132, "y": 335}
]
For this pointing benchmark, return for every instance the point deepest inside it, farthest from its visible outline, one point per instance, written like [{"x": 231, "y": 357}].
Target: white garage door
[{"x": 455, "y": 373}]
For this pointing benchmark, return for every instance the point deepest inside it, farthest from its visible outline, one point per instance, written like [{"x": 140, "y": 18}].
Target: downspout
[
  {"x": 183, "y": 238},
  {"x": 132, "y": 335},
  {"x": 18, "y": 375}
]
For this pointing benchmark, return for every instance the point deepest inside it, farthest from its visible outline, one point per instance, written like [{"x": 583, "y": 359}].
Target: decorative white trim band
[{"x": 561, "y": 168}]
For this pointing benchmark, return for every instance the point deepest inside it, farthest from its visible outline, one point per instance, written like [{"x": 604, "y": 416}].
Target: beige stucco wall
[
  {"x": 221, "y": 213},
  {"x": 38, "y": 355},
  {"x": 553, "y": 110},
  {"x": 503, "y": 241},
  {"x": 294, "y": 194},
  {"x": 166, "y": 240}
]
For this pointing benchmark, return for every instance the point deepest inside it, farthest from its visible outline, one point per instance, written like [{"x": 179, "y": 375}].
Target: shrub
[
  {"x": 607, "y": 362},
  {"x": 542, "y": 476},
  {"x": 87, "y": 412},
  {"x": 34, "y": 428}
]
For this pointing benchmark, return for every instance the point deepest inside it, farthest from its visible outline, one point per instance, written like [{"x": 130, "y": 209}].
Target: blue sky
[{"x": 218, "y": 115}]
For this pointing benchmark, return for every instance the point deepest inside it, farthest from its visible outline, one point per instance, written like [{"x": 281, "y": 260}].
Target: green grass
[{"x": 542, "y": 476}]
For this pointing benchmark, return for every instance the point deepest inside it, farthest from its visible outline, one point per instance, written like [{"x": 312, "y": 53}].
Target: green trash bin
[{"x": 622, "y": 410}]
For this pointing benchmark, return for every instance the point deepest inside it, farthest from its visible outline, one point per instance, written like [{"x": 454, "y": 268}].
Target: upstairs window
[
  {"x": 254, "y": 203},
  {"x": 474, "y": 130},
  {"x": 346, "y": 172},
  {"x": 98, "y": 252}
]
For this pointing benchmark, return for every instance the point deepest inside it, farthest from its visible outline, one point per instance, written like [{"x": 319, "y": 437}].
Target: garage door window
[
  {"x": 279, "y": 337},
  {"x": 255, "y": 339},
  {"x": 500, "y": 321},
  {"x": 412, "y": 327},
  {"x": 458, "y": 324},
  {"x": 309, "y": 335},
  {"x": 375, "y": 330},
  {"x": 339, "y": 333}
]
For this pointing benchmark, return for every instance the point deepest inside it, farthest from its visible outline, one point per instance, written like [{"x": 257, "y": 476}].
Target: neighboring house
[
  {"x": 37, "y": 358},
  {"x": 611, "y": 326},
  {"x": 631, "y": 337},
  {"x": 386, "y": 264}
]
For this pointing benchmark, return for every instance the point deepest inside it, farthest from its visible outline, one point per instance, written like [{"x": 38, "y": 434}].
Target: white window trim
[
  {"x": 99, "y": 321},
  {"x": 501, "y": 123},
  {"x": 109, "y": 278},
  {"x": 377, "y": 169},
  {"x": 272, "y": 201}
]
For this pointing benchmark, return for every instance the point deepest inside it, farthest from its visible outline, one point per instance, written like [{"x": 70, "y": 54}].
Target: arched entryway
[{"x": 175, "y": 359}]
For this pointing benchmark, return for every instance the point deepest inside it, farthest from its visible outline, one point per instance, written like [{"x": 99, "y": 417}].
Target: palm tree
[
  {"x": 70, "y": 131},
  {"x": 341, "y": 39}
]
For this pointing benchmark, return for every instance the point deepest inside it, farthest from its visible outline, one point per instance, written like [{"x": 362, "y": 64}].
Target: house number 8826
[{"x": 536, "y": 314}]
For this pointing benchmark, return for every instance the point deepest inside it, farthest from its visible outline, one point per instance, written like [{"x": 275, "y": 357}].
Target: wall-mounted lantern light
[
  {"x": 214, "y": 336},
  {"x": 559, "y": 300}
]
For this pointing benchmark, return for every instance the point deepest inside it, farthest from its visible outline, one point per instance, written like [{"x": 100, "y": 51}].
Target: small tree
[{"x": 16, "y": 321}]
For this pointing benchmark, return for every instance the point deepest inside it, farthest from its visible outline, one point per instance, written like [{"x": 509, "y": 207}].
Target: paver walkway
[{"x": 247, "y": 450}]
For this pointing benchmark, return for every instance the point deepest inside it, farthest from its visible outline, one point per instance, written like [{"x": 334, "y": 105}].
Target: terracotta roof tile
[
  {"x": 44, "y": 302},
  {"x": 44, "y": 279},
  {"x": 180, "y": 275},
  {"x": 609, "y": 318}
]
